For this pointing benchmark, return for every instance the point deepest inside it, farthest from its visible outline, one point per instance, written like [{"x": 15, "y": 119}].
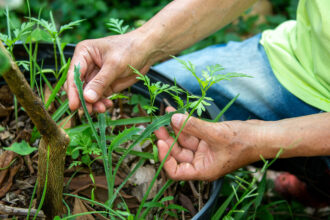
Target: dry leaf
[{"x": 79, "y": 207}]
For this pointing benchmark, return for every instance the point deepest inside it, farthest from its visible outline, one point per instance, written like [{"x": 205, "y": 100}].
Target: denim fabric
[{"x": 261, "y": 97}]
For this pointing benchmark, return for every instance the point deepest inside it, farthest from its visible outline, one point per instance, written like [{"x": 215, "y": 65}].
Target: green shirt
[{"x": 299, "y": 53}]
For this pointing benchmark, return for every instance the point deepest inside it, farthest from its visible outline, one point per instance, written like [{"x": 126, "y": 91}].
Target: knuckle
[
  {"x": 190, "y": 125},
  {"x": 98, "y": 84},
  {"x": 172, "y": 176}
]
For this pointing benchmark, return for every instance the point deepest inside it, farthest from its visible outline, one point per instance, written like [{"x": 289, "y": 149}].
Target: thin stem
[
  {"x": 168, "y": 153},
  {"x": 55, "y": 57},
  {"x": 8, "y": 22}
]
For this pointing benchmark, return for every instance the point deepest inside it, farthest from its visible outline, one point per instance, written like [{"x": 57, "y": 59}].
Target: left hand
[{"x": 207, "y": 150}]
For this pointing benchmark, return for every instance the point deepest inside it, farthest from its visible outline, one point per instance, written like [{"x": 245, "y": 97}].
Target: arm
[
  {"x": 302, "y": 136},
  {"x": 207, "y": 151},
  {"x": 104, "y": 62},
  {"x": 184, "y": 22}
]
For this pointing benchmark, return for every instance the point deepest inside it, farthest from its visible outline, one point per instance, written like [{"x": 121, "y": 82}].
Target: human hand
[
  {"x": 207, "y": 150},
  {"x": 104, "y": 68}
]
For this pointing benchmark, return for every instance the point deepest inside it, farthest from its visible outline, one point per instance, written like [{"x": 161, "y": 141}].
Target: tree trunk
[{"x": 52, "y": 136}]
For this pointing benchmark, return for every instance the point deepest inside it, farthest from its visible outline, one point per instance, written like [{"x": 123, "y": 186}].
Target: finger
[
  {"x": 121, "y": 84},
  {"x": 194, "y": 127},
  {"x": 89, "y": 107},
  {"x": 175, "y": 170},
  {"x": 99, "y": 107},
  {"x": 82, "y": 58},
  {"x": 179, "y": 153},
  {"x": 185, "y": 140},
  {"x": 95, "y": 89},
  {"x": 107, "y": 103},
  {"x": 170, "y": 109}
]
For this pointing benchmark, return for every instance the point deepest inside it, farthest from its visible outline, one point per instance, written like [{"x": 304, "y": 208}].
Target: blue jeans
[{"x": 261, "y": 97}]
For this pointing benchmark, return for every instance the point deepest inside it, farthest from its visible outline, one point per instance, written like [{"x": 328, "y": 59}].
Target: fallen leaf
[
  {"x": 6, "y": 97},
  {"x": 5, "y": 159},
  {"x": 79, "y": 207},
  {"x": 6, "y": 187},
  {"x": 5, "y": 135},
  {"x": 47, "y": 93},
  {"x": 67, "y": 122},
  {"x": 141, "y": 180},
  {"x": 84, "y": 180},
  {"x": 5, "y": 111},
  {"x": 187, "y": 203}
]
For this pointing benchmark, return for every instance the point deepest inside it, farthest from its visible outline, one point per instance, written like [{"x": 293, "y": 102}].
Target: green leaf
[
  {"x": 118, "y": 96},
  {"x": 4, "y": 63},
  {"x": 123, "y": 137},
  {"x": 116, "y": 25},
  {"x": 167, "y": 198},
  {"x": 177, "y": 207},
  {"x": 21, "y": 148},
  {"x": 39, "y": 34},
  {"x": 155, "y": 153},
  {"x": 1, "y": 128},
  {"x": 69, "y": 26},
  {"x": 156, "y": 124},
  {"x": 223, "y": 207},
  {"x": 153, "y": 205}
]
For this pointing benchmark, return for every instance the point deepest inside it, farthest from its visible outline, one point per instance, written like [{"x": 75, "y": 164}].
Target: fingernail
[
  {"x": 91, "y": 94},
  {"x": 176, "y": 119}
]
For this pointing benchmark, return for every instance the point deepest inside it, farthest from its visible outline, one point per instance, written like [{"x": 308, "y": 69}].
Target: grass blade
[
  {"x": 223, "y": 208},
  {"x": 225, "y": 109},
  {"x": 156, "y": 124},
  {"x": 128, "y": 121},
  {"x": 79, "y": 85}
]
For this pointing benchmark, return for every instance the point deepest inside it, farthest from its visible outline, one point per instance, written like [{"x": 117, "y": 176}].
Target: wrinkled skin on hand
[
  {"x": 206, "y": 150},
  {"x": 104, "y": 69}
]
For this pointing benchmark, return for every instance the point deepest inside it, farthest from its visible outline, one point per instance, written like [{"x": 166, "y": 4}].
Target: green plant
[
  {"x": 209, "y": 77},
  {"x": 21, "y": 148},
  {"x": 246, "y": 193}
]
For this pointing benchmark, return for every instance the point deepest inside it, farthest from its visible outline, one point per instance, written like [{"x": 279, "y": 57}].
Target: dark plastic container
[{"x": 46, "y": 58}]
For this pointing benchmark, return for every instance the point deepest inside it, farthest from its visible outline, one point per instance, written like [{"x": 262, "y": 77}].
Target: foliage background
[{"x": 135, "y": 13}]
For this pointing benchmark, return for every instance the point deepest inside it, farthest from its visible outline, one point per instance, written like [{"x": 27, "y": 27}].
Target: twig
[
  {"x": 28, "y": 162},
  {"x": 20, "y": 211},
  {"x": 168, "y": 104},
  {"x": 193, "y": 189},
  {"x": 200, "y": 199}
]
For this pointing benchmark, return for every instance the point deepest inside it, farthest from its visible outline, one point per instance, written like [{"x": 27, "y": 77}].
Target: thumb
[
  {"x": 95, "y": 89},
  {"x": 194, "y": 126}
]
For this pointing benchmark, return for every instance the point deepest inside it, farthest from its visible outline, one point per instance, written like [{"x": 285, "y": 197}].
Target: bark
[{"x": 52, "y": 136}]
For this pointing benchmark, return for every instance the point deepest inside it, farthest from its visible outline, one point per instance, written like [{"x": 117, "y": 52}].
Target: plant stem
[
  {"x": 168, "y": 153},
  {"x": 52, "y": 136},
  {"x": 8, "y": 22}
]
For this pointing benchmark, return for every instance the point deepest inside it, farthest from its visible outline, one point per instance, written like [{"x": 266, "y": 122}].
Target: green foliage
[
  {"x": 4, "y": 63},
  {"x": 155, "y": 89},
  {"x": 246, "y": 193},
  {"x": 136, "y": 100},
  {"x": 52, "y": 29},
  {"x": 21, "y": 148},
  {"x": 210, "y": 76},
  {"x": 116, "y": 25}
]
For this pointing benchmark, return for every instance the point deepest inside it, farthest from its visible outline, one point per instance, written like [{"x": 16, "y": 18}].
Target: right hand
[{"x": 104, "y": 68}]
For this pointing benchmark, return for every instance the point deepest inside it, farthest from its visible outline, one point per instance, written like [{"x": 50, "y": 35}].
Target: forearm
[
  {"x": 184, "y": 22},
  {"x": 301, "y": 136}
]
